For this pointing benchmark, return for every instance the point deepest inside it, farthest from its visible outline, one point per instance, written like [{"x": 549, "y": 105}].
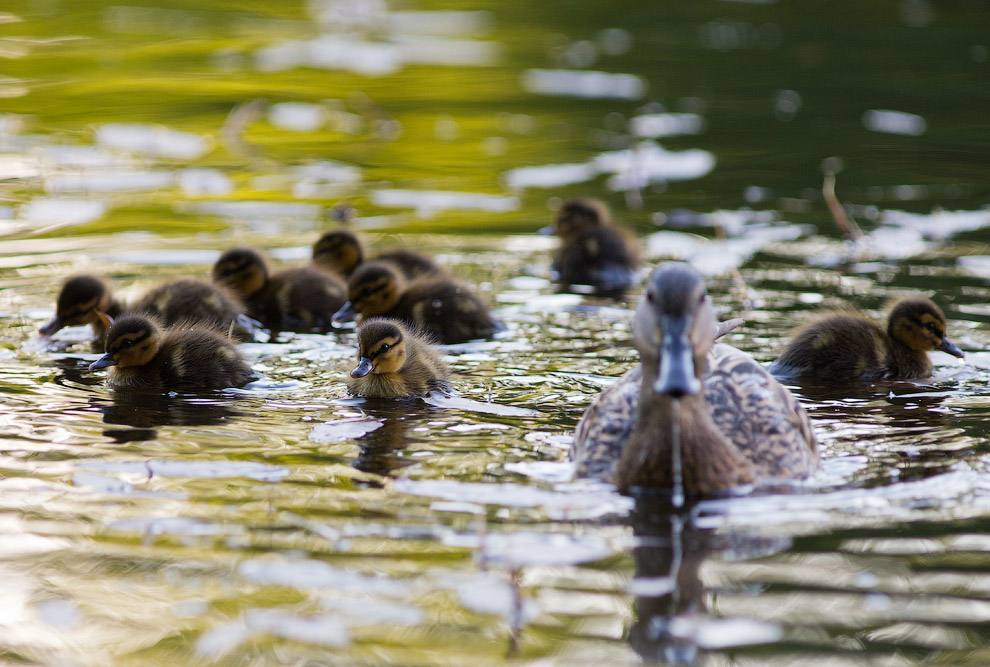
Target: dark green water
[{"x": 238, "y": 529}]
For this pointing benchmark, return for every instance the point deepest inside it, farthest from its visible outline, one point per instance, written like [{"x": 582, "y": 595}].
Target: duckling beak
[
  {"x": 363, "y": 368},
  {"x": 346, "y": 313},
  {"x": 676, "y": 377},
  {"x": 104, "y": 361},
  {"x": 52, "y": 326},
  {"x": 950, "y": 348},
  {"x": 549, "y": 230}
]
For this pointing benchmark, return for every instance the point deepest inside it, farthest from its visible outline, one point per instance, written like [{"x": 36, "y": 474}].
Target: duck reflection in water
[
  {"x": 380, "y": 452},
  {"x": 671, "y": 607},
  {"x": 144, "y": 411}
]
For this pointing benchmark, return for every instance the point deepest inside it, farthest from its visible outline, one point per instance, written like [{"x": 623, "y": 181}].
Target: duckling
[
  {"x": 340, "y": 251},
  {"x": 395, "y": 362},
  {"x": 300, "y": 299},
  {"x": 726, "y": 419},
  {"x": 79, "y": 302},
  {"x": 592, "y": 250},
  {"x": 848, "y": 345},
  {"x": 196, "y": 301},
  {"x": 143, "y": 355},
  {"x": 437, "y": 306}
]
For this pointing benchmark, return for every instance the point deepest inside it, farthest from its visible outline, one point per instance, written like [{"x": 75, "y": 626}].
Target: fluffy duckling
[
  {"x": 79, "y": 302},
  {"x": 141, "y": 354},
  {"x": 394, "y": 362},
  {"x": 706, "y": 404},
  {"x": 301, "y": 299},
  {"x": 848, "y": 345},
  {"x": 437, "y": 306},
  {"x": 340, "y": 251},
  {"x": 195, "y": 301},
  {"x": 592, "y": 250}
]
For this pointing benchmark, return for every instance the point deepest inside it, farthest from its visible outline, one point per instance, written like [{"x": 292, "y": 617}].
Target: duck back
[
  {"x": 838, "y": 346},
  {"x": 446, "y": 310},
  {"x": 306, "y": 298},
  {"x": 600, "y": 256},
  {"x": 194, "y": 301}
]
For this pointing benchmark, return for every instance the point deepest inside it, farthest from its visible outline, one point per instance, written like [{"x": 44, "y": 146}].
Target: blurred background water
[{"x": 290, "y": 524}]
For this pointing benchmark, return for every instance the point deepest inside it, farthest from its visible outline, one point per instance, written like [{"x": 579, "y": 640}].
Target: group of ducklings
[{"x": 694, "y": 414}]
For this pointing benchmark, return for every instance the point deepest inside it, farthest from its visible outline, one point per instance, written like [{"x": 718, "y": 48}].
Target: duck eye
[
  {"x": 649, "y": 296},
  {"x": 930, "y": 326},
  {"x": 368, "y": 291},
  {"x": 385, "y": 348}
]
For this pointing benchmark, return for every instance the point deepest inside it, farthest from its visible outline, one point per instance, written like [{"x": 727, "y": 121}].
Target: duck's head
[
  {"x": 241, "y": 269},
  {"x": 374, "y": 288},
  {"x": 81, "y": 300},
  {"x": 381, "y": 347},
  {"x": 132, "y": 340},
  {"x": 338, "y": 251},
  {"x": 674, "y": 329},
  {"x": 576, "y": 216},
  {"x": 920, "y": 324}
]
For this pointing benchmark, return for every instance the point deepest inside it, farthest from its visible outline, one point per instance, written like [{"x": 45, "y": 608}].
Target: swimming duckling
[
  {"x": 592, "y": 250},
  {"x": 848, "y": 346},
  {"x": 195, "y": 301},
  {"x": 394, "y": 362},
  {"x": 300, "y": 299},
  {"x": 437, "y": 306},
  {"x": 141, "y": 354},
  {"x": 706, "y": 404},
  {"x": 79, "y": 302},
  {"x": 340, "y": 251}
]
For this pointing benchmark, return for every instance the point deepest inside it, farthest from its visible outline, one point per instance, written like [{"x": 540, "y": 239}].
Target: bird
[
  {"x": 844, "y": 346},
  {"x": 436, "y": 305},
  {"x": 340, "y": 251},
  {"x": 395, "y": 362},
  {"x": 83, "y": 297},
  {"x": 708, "y": 405},
  {"x": 592, "y": 250},
  {"x": 142, "y": 354},
  {"x": 298, "y": 299},
  {"x": 79, "y": 302}
]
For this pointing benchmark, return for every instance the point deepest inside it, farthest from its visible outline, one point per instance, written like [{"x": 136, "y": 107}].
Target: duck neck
[
  {"x": 669, "y": 430},
  {"x": 907, "y": 363}
]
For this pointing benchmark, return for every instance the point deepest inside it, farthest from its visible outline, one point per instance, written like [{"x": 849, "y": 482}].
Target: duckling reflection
[
  {"x": 847, "y": 346},
  {"x": 592, "y": 250},
  {"x": 670, "y": 552},
  {"x": 146, "y": 410}
]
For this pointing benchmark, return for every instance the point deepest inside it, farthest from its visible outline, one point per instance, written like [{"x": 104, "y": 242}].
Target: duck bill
[
  {"x": 549, "y": 230},
  {"x": 55, "y": 325},
  {"x": 676, "y": 376},
  {"x": 104, "y": 361},
  {"x": 948, "y": 347},
  {"x": 346, "y": 313},
  {"x": 363, "y": 368}
]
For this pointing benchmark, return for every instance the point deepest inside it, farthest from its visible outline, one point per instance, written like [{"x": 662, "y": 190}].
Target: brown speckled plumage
[
  {"x": 395, "y": 362},
  {"x": 300, "y": 299},
  {"x": 740, "y": 427},
  {"x": 845, "y": 346},
  {"x": 194, "y": 301},
  {"x": 440, "y": 307},
  {"x": 143, "y": 355},
  {"x": 340, "y": 251}
]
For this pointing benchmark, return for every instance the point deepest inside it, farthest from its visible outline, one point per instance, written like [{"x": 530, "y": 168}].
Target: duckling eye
[
  {"x": 368, "y": 291},
  {"x": 931, "y": 327},
  {"x": 385, "y": 348}
]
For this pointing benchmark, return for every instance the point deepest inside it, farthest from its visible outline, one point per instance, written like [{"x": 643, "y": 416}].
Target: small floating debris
[
  {"x": 578, "y": 83},
  {"x": 154, "y": 140},
  {"x": 894, "y": 122}
]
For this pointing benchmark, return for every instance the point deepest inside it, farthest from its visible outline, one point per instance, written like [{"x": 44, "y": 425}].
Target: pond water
[{"x": 288, "y": 523}]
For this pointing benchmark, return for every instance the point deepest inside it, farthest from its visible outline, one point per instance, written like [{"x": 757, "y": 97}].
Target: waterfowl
[
  {"x": 592, "y": 250},
  {"x": 299, "y": 299},
  {"x": 142, "y": 354},
  {"x": 340, "y": 251},
  {"x": 395, "y": 362},
  {"x": 187, "y": 301},
  {"x": 438, "y": 306},
  {"x": 79, "y": 302},
  {"x": 706, "y": 404},
  {"x": 848, "y": 345}
]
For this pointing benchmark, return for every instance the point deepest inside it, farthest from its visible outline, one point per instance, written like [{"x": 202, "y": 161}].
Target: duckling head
[
  {"x": 381, "y": 348},
  {"x": 338, "y": 251},
  {"x": 373, "y": 289},
  {"x": 242, "y": 270},
  {"x": 674, "y": 328},
  {"x": 79, "y": 302},
  {"x": 920, "y": 325},
  {"x": 577, "y": 215},
  {"x": 132, "y": 340}
]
